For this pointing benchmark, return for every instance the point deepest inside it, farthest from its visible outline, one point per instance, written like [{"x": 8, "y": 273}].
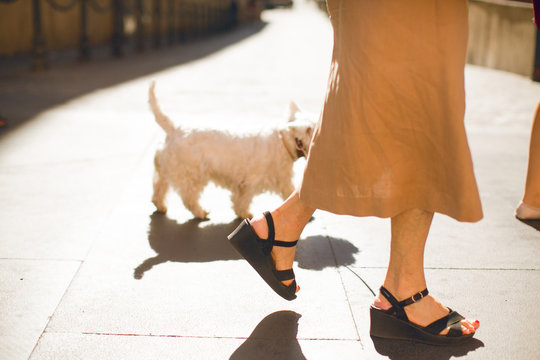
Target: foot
[
  {"x": 426, "y": 311},
  {"x": 527, "y": 212},
  {"x": 283, "y": 257}
]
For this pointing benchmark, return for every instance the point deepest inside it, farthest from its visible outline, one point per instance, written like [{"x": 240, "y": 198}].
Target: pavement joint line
[
  {"x": 55, "y": 309},
  {"x": 133, "y": 171},
  {"x": 211, "y": 337},
  {"x": 111, "y": 210},
  {"x": 345, "y": 291}
]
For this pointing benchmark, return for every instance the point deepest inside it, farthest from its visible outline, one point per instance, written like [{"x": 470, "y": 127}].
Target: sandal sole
[
  {"x": 387, "y": 326},
  {"x": 245, "y": 241}
]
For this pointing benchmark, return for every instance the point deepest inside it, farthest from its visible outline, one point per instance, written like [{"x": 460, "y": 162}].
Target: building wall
[
  {"x": 62, "y": 29},
  {"x": 502, "y": 35}
]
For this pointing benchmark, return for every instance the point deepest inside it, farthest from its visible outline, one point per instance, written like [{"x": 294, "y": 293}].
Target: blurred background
[{"x": 502, "y": 35}]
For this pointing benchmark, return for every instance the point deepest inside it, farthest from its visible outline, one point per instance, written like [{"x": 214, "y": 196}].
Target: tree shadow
[
  {"x": 408, "y": 350},
  {"x": 274, "y": 338},
  {"x": 532, "y": 223},
  {"x": 24, "y": 94},
  {"x": 190, "y": 242}
]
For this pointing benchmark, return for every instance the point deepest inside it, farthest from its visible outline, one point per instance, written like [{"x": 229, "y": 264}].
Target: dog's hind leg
[
  {"x": 161, "y": 186},
  {"x": 241, "y": 199}
]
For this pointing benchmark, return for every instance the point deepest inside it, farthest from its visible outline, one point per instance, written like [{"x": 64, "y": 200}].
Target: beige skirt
[{"x": 391, "y": 136}]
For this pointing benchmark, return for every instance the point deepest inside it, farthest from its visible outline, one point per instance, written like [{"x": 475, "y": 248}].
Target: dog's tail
[{"x": 162, "y": 119}]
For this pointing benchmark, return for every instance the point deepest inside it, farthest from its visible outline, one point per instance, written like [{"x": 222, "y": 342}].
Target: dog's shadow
[{"x": 190, "y": 242}]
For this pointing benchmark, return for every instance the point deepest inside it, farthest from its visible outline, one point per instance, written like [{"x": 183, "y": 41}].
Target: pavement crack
[
  {"x": 358, "y": 276},
  {"x": 346, "y": 293}
]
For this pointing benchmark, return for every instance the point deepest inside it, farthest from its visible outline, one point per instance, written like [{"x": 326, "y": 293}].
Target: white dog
[{"x": 247, "y": 165}]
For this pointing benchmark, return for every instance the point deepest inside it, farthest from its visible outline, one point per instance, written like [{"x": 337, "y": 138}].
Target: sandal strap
[
  {"x": 452, "y": 321},
  {"x": 416, "y": 297},
  {"x": 271, "y": 241},
  {"x": 285, "y": 243},
  {"x": 284, "y": 275},
  {"x": 271, "y": 228},
  {"x": 397, "y": 306},
  {"x": 396, "y": 309}
]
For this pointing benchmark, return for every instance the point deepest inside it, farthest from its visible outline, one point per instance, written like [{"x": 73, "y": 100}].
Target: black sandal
[
  {"x": 257, "y": 252},
  {"x": 394, "y": 324}
]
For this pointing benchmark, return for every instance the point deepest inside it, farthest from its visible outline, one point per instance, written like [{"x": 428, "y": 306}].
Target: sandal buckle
[{"x": 415, "y": 297}]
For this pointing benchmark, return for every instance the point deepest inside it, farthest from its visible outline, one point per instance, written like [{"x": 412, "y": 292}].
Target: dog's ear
[
  {"x": 309, "y": 131},
  {"x": 293, "y": 109}
]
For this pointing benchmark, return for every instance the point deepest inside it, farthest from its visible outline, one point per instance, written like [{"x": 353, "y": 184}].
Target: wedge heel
[{"x": 257, "y": 251}]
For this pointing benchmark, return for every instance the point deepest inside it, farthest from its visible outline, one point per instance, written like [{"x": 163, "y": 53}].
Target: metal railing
[{"x": 183, "y": 20}]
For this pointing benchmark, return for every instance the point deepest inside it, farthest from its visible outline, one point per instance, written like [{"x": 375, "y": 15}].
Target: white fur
[{"x": 247, "y": 165}]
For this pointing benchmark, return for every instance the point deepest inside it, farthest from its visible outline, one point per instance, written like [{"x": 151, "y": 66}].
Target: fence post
[
  {"x": 536, "y": 71},
  {"x": 171, "y": 16},
  {"x": 118, "y": 28},
  {"x": 84, "y": 50},
  {"x": 139, "y": 34},
  {"x": 39, "y": 61},
  {"x": 157, "y": 23},
  {"x": 181, "y": 23}
]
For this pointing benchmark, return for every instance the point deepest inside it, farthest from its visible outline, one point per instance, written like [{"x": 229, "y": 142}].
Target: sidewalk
[{"x": 88, "y": 271}]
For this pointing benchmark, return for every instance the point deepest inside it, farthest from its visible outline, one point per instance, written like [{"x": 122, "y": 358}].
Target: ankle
[
  {"x": 531, "y": 198},
  {"x": 404, "y": 289},
  {"x": 289, "y": 227}
]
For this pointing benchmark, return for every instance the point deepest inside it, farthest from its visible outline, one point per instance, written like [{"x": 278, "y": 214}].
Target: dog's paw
[
  {"x": 161, "y": 209},
  {"x": 247, "y": 215},
  {"x": 201, "y": 215}
]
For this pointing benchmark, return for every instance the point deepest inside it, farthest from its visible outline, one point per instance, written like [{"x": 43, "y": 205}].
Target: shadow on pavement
[
  {"x": 532, "y": 223},
  {"x": 24, "y": 94},
  {"x": 407, "y": 350},
  {"x": 188, "y": 242},
  {"x": 273, "y": 338}
]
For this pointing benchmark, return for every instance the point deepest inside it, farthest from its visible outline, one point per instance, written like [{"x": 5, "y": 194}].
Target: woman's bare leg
[
  {"x": 290, "y": 218},
  {"x": 405, "y": 275},
  {"x": 532, "y": 187}
]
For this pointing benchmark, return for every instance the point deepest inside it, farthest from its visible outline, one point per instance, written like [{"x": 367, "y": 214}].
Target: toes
[
  {"x": 467, "y": 327},
  {"x": 289, "y": 282}
]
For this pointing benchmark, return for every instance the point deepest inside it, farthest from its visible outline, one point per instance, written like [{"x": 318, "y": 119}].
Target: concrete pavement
[{"x": 88, "y": 271}]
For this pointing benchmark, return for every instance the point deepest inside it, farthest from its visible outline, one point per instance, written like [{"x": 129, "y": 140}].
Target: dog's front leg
[
  {"x": 190, "y": 198},
  {"x": 241, "y": 199}
]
